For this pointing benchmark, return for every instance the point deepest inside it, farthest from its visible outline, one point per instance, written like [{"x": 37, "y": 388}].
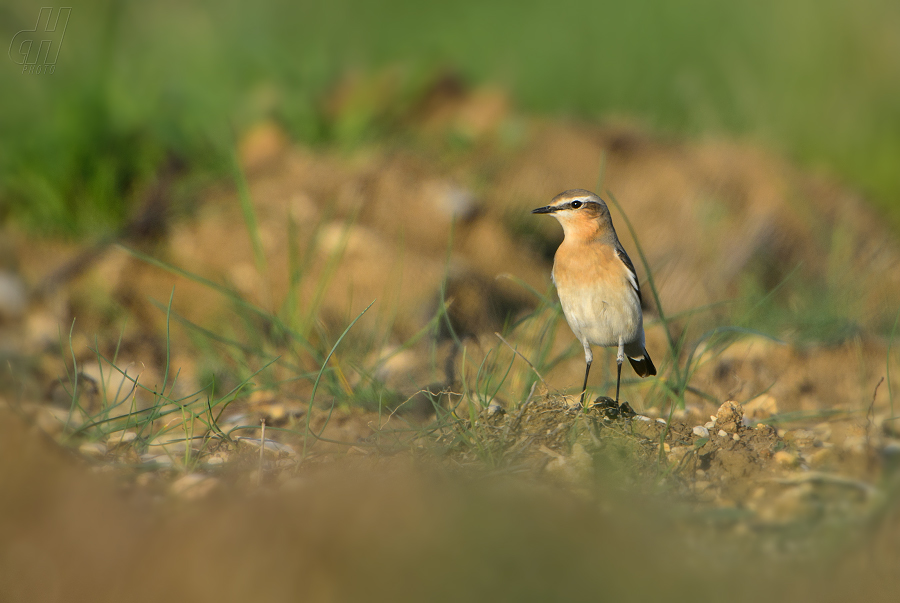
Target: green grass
[{"x": 817, "y": 80}]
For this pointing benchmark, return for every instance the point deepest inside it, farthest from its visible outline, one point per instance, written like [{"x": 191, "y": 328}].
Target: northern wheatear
[{"x": 596, "y": 282}]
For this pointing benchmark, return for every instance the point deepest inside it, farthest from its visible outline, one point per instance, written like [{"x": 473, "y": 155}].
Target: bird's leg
[
  {"x": 620, "y": 358},
  {"x": 588, "y": 358}
]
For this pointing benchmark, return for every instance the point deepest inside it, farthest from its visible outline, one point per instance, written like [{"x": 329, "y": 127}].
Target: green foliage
[{"x": 136, "y": 81}]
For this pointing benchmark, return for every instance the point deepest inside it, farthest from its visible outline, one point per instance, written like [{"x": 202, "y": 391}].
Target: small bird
[{"x": 596, "y": 282}]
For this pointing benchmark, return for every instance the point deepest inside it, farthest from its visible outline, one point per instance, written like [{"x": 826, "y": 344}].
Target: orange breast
[
  {"x": 577, "y": 266},
  {"x": 597, "y": 298}
]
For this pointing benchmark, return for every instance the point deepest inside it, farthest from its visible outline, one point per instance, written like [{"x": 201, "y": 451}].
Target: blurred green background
[{"x": 815, "y": 80}]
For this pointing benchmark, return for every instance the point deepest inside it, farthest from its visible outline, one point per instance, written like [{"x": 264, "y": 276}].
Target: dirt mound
[{"x": 766, "y": 476}]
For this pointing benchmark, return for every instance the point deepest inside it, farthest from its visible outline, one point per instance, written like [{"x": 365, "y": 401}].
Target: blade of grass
[
  {"x": 312, "y": 396},
  {"x": 249, "y": 214},
  {"x": 227, "y": 293},
  {"x": 888, "y": 363}
]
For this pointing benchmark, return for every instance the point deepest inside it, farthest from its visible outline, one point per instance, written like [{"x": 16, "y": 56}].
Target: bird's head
[{"x": 581, "y": 213}]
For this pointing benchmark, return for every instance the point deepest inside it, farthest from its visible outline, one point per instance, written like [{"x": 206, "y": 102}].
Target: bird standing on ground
[{"x": 596, "y": 282}]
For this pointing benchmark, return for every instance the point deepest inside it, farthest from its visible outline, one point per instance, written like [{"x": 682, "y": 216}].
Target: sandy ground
[{"x": 804, "y": 455}]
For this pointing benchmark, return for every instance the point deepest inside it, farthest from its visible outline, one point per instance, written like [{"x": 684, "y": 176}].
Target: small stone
[
  {"x": 494, "y": 410},
  {"x": 822, "y": 431},
  {"x": 710, "y": 424},
  {"x": 217, "y": 460},
  {"x": 275, "y": 413},
  {"x": 163, "y": 460},
  {"x": 856, "y": 444},
  {"x": 723, "y": 433},
  {"x": 13, "y": 296},
  {"x": 701, "y": 431},
  {"x": 786, "y": 459},
  {"x": 94, "y": 450},
  {"x": 890, "y": 451},
  {"x": 170, "y": 443},
  {"x": 272, "y": 447},
  {"x": 120, "y": 438},
  {"x": 736, "y": 437},
  {"x": 52, "y": 420},
  {"x": 730, "y": 417}
]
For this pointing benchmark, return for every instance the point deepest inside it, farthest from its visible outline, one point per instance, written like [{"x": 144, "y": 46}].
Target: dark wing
[{"x": 632, "y": 275}]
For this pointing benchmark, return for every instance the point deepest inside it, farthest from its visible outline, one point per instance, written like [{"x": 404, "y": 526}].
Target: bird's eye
[{"x": 576, "y": 204}]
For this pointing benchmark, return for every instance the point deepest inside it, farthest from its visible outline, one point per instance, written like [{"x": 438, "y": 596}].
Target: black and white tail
[{"x": 642, "y": 365}]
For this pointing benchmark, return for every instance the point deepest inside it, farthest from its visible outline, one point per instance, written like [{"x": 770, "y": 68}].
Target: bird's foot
[
  {"x": 603, "y": 402},
  {"x": 612, "y": 409}
]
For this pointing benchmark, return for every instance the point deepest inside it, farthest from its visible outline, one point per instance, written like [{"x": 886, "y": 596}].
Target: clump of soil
[{"x": 726, "y": 462}]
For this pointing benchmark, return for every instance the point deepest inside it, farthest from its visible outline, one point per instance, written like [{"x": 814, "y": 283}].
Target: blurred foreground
[{"x": 386, "y": 529}]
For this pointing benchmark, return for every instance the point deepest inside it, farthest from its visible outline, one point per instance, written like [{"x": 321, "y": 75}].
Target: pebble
[
  {"x": 52, "y": 420},
  {"x": 701, "y": 431},
  {"x": 730, "y": 417},
  {"x": 275, "y": 413},
  {"x": 13, "y": 297},
  {"x": 452, "y": 200},
  {"x": 166, "y": 444},
  {"x": 93, "y": 449},
  {"x": 120, "y": 438},
  {"x": 710, "y": 424},
  {"x": 272, "y": 447},
  {"x": 723, "y": 433},
  {"x": 855, "y": 444},
  {"x": 216, "y": 460},
  {"x": 785, "y": 458},
  {"x": 157, "y": 459},
  {"x": 891, "y": 450}
]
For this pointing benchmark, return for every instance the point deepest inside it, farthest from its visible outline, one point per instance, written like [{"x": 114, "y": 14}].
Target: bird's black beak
[{"x": 548, "y": 209}]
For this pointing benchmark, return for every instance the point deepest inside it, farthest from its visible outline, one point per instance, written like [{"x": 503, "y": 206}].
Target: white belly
[{"x": 600, "y": 316}]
